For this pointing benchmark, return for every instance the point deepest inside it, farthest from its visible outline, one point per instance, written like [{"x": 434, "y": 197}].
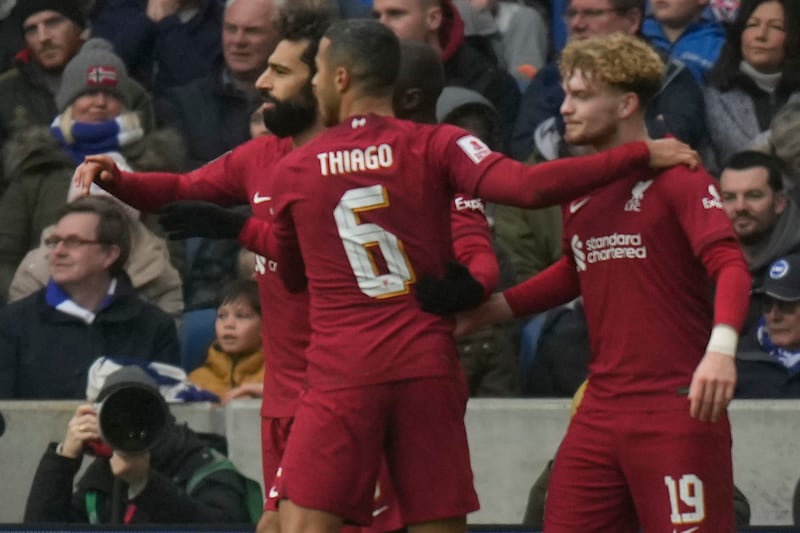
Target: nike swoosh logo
[
  {"x": 379, "y": 510},
  {"x": 690, "y": 530},
  {"x": 261, "y": 199},
  {"x": 273, "y": 493},
  {"x": 574, "y": 206}
]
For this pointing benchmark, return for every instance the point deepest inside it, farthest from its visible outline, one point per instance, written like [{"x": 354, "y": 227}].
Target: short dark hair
[
  {"x": 244, "y": 289},
  {"x": 753, "y": 158},
  {"x": 421, "y": 73},
  {"x": 369, "y": 49},
  {"x": 303, "y": 22},
  {"x": 113, "y": 226}
]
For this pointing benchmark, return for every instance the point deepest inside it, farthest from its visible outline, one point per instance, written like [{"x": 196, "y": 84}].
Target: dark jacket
[
  {"x": 218, "y": 499},
  {"x": 26, "y": 101},
  {"x": 40, "y": 173},
  {"x": 45, "y": 354},
  {"x": 212, "y": 116},
  {"x": 465, "y": 66},
  {"x": 677, "y": 109},
  {"x": 759, "y": 375},
  {"x": 163, "y": 54}
]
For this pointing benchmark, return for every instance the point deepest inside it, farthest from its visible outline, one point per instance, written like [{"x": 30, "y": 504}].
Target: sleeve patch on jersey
[
  {"x": 474, "y": 148},
  {"x": 715, "y": 202}
]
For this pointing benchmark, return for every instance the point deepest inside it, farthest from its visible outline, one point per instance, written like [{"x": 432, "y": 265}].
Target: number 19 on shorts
[{"x": 686, "y": 499}]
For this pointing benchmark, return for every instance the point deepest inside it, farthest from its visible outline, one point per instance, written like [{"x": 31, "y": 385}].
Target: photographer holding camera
[{"x": 148, "y": 469}]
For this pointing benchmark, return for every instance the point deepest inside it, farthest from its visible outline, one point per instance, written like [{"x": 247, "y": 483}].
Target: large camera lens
[{"x": 132, "y": 418}]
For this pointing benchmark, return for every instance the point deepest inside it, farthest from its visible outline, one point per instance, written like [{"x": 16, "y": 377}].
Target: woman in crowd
[{"x": 758, "y": 72}]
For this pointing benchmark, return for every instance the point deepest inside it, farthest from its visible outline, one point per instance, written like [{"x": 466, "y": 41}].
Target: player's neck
[
  {"x": 364, "y": 105},
  {"x": 307, "y": 134},
  {"x": 627, "y": 131}
]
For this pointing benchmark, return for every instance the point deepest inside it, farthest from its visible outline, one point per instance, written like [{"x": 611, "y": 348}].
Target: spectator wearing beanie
[
  {"x": 93, "y": 119},
  {"x": 54, "y": 32}
]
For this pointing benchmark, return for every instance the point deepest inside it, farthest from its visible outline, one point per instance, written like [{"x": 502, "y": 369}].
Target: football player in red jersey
[{"x": 645, "y": 253}]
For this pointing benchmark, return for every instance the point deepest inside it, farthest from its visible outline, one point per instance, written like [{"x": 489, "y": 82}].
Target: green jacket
[{"x": 531, "y": 237}]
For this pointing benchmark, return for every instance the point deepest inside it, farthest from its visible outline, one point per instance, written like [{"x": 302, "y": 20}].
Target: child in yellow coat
[{"x": 235, "y": 363}]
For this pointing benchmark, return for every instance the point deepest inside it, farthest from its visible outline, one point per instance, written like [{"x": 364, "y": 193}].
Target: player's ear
[
  {"x": 342, "y": 79},
  {"x": 627, "y": 105},
  {"x": 411, "y": 99},
  {"x": 433, "y": 18}
]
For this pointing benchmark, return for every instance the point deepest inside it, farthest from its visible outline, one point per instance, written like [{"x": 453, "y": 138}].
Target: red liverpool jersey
[
  {"x": 634, "y": 247},
  {"x": 368, "y": 204}
]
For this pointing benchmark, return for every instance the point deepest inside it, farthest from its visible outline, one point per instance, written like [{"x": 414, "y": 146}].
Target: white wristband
[{"x": 723, "y": 340}]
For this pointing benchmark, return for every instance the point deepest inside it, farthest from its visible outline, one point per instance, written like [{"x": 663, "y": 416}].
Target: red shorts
[
  {"x": 386, "y": 513},
  {"x": 274, "y": 434},
  {"x": 661, "y": 471},
  {"x": 338, "y": 438}
]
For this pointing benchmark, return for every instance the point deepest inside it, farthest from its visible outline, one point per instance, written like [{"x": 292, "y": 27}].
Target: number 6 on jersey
[{"x": 359, "y": 239}]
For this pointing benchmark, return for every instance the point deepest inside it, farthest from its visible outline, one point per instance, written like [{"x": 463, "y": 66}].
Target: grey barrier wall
[{"x": 510, "y": 441}]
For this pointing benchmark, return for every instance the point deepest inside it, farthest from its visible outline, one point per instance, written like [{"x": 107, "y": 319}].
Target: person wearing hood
[
  {"x": 765, "y": 217},
  {"x": 54, "y": 32},
  {"x": 438, "y": 23},
  {"x": 158, "y": 485},
  {"x": 88, "y": 309},
  {"x": 95, "y": 117}
]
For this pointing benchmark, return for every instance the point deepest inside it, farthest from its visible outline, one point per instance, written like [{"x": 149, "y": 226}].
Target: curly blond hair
[{"x": 620, "y": 60}]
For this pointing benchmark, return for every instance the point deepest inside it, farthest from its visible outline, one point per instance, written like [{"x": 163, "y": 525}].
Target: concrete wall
[{"x": 510, "y": 441}]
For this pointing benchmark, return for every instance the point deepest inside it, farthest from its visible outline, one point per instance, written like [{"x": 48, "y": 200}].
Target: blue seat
[{"x": 196, "y": 335}]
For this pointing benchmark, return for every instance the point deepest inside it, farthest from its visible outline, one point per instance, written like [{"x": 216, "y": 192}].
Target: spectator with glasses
[
  {"x": 49, "y": 339},
  {"x": 768, "y": 359}
]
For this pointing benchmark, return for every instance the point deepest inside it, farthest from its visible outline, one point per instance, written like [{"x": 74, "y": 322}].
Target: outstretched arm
[
  {"x": 556, "y": 285},
  {"x": 220, "y": 181},
  {"x": 555, "y": 182}
]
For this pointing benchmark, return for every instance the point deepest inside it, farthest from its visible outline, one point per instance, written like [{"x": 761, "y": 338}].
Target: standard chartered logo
[
  {"x": 606, "y": 248},
  {"x": 577, "y": 253}
]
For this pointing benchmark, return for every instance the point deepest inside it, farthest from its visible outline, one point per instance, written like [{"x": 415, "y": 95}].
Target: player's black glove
[
  {"x": 456, "y": 291},
  {"x": 194, "y": 218}
]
